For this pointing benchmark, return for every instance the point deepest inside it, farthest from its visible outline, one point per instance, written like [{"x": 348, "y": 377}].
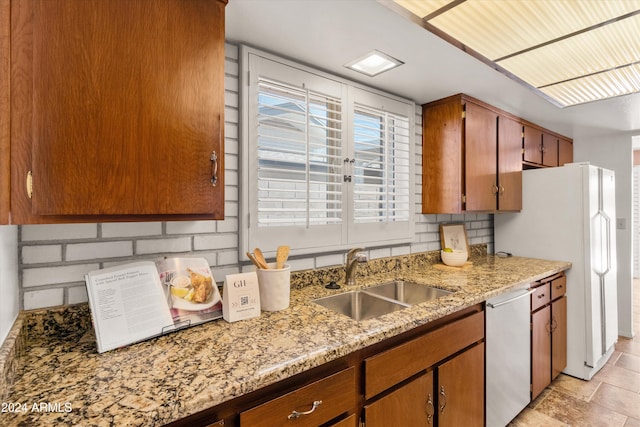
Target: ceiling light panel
[
  {"x": 422, "y": 8},
  {"x": 613, "y": 83},
  {"x": 374, "y": 63},
  {"x": 591, "y": 52},
  {"x": 572, "y": 51},
  {"x": 497, "y": 28}
]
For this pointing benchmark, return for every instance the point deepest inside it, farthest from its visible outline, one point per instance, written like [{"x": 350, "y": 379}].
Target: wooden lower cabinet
[
  {"x": 434, "y": 379},
  {"x": 431, "y": 375},
  {"x": 548, "y": 332},
  {"x": 540, "y": 350},
  {"x": 410, "y": 404},
  {"x": 558, "y": 336},
  {"x": 461, "y": 389}
]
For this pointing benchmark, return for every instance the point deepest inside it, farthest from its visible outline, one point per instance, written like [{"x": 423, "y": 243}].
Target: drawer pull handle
[
  {"x": 540, "y": 296},
  {"x": 429, "y": 409},
  {"x": 296, "y": 414},
  {"x": 444, "y": 400},
  {"x": 214, "y": 174}
]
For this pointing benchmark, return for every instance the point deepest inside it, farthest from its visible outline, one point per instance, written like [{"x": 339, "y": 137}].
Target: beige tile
[
  {"x": 629, "y": 361},
  {"x": 575, "y": 387},
  {"x": 577, "y": 412},
  {"x": 532, "y": 418},
  {"x": 614, "y": 357},
  {"x": 618, "y": 399},
  {"x": 620, "y": 377},
  {"x": 627, "y": 345},
  {"x": 535, "y": 402},
  {"x": 632, "y": 422}
]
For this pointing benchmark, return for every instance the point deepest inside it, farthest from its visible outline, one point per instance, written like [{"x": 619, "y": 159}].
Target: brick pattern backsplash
[{"x": 54, "y": 258}]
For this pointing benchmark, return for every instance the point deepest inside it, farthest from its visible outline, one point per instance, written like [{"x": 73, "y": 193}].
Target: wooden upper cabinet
[
  {"x": 117, "y": 110},
  {"x": 442, "y": 156},
  {"x": 532, "y": 145},
  {"x": 481, "y": 162},
  {"x": 5, "y": 123},
  {"x": 549, "y": 149},
  {"x": 543, "y": 148},
  {"x": 509, "y": 164},
  {"x": 472, "y": 159},
  {"x": 565, "y": 151}
]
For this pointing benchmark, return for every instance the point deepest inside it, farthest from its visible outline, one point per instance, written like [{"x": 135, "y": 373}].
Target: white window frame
[{"x": 257, "y": 64}]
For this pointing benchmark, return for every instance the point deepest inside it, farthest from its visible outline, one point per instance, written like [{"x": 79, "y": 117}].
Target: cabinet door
[
  {"x": 442, "y": 158},
  {"x": 127, "y": 106},
  {"x": 409, "y": 405},
  {"x": 481, "y": 130},
  {"x": 565, "y": 151},
  {"x": 549, "y": 150},
  {"x": 509, "y": 164},
  {"x": 558, "y": 336},
  {"x": 460, "y": 389},
  {"x": 532, "y": 145},
  {"x": 540, "y": 350}
]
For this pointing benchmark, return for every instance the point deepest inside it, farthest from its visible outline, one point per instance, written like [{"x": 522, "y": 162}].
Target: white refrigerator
[{"x": 568, "y": 214}]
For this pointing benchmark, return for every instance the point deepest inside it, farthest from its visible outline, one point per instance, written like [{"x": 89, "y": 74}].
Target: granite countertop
[{"x": 167, "y": 378}]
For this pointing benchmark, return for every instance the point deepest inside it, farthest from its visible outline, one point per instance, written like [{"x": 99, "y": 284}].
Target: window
[{"x": 327, "y": 165}]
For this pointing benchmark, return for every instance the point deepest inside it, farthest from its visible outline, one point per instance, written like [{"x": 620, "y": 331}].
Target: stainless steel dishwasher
[{"x": 508, "y": 356}]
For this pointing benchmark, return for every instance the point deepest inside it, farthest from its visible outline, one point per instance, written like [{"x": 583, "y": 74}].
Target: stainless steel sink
[
  {"x": 407, "y": 292},
  {"x": 380, "y": 299},
  {"x": 359, "y": 305}
]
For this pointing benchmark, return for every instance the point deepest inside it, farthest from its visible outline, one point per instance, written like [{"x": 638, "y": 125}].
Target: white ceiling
[{"x": 330, "y": 33}]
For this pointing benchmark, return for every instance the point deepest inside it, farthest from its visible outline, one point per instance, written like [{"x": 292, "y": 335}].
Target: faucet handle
[
  {"x": 351, "y": 254},
  {"x": 361, "y": 257}
]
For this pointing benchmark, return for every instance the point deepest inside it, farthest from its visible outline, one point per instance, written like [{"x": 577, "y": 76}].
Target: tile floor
[{"x": 611, "y": 398}]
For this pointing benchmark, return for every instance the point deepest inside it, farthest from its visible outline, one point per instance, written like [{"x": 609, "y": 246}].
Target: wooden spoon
[
  {"x": 281, "y": 256},
  {"x": 260, "y": 258},
  {"x": 254, "y": 260}
]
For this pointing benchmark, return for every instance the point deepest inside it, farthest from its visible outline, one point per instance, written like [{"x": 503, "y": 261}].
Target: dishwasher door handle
[{"x": 507, "y": 301}]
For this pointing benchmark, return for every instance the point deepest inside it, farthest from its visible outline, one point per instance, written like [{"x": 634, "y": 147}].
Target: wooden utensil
[
  {"x": 255, "y": 261},
  {"x": 281, "y": 256},
  {"x": 260, "y": 258}
]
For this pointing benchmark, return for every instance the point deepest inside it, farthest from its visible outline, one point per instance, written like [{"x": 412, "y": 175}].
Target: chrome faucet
[{"x": 354, "y": 256}]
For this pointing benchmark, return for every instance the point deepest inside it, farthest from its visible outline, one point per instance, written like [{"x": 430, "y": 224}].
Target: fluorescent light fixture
[
  {"x": 374, "y": 63},
  {"x": 569, "y": 51}
]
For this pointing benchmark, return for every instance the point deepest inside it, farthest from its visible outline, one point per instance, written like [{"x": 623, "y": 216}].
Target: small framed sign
[
  {"x": 240, "y": 297},
  {"x": 454, "y": 236}
]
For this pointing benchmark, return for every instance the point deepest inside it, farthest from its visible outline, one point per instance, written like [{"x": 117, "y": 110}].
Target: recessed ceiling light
[{"x": 374, "y": 63}]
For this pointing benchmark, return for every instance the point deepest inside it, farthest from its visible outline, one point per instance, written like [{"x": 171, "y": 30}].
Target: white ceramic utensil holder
[{"x": 275, "y": 287}]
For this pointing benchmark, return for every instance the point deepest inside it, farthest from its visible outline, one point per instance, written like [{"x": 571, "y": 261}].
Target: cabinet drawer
[
  {"x": 337, "y": 394},
  {"x": 350, "y": 421},
  {"x": 392, "y": 366},
  {"x": 558, "y": 287},
  {"x": 541, "y": 296}
]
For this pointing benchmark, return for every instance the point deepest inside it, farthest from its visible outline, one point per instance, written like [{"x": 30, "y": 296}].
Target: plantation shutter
[
  {"x": 299, "y": 156},
  {"x": 381, "y": 169}
]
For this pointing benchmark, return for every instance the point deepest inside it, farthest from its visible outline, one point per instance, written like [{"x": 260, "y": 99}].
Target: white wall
[
  {"x": 614, "y": 152},
  {"x": 9, "y": 302}
]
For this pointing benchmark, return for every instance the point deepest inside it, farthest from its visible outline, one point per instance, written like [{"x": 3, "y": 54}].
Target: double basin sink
[{"x": 380, "y": 299}]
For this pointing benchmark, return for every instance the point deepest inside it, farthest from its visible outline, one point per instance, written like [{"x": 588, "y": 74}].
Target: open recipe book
[{"x": 141, "y": 300}]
